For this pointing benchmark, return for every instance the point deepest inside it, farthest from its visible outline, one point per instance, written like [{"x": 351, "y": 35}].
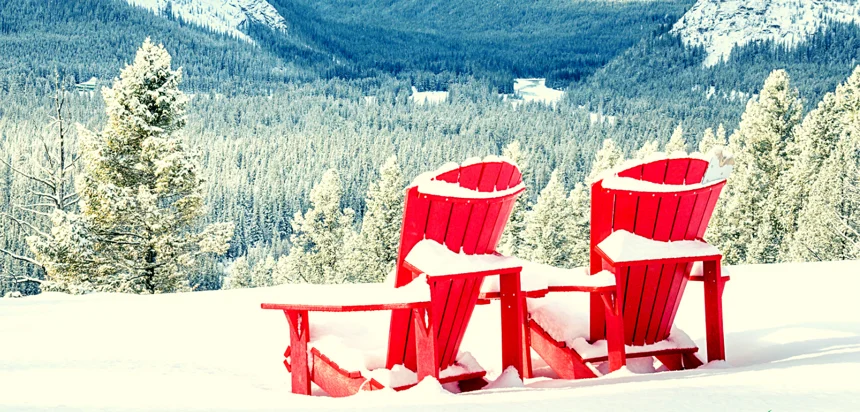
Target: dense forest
[{"x": 268, "y": 119}]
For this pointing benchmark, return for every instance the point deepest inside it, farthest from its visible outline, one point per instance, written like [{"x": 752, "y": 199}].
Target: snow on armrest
[
  {"x": 622, "y": 246},
  {"x": 538, "y": 276},
  {"x": 435, "y": 259},
  {"x": 352, "y": 295}
]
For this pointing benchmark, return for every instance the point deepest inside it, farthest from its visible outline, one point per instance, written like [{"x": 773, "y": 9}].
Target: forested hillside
[{"x": 268, "y": 118}]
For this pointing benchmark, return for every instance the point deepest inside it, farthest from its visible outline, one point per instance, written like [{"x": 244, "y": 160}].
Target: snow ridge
[
  {"x": 224, "y": 16},
  {"x": 719, "y": 25}
]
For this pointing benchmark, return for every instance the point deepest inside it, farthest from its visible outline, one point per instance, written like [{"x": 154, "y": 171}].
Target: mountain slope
[
  {"x": 720, "y": 25},
  {"x": 223, "y": 16}
]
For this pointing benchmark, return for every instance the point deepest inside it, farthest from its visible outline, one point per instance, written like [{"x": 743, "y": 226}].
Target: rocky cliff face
[
  {"x": 720, "y": 25},
  {"x": 225, "y": 16}
]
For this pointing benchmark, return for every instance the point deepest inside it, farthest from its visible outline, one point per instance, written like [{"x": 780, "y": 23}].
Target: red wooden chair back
[
  {"x": 470, "y": 225},
  {"x": 651, "y": 294}
]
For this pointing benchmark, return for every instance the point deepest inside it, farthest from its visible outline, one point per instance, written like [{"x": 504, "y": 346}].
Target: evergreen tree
[
  {"x": 547, "y": 237},
  {"x": 317, "y": 254},
  {"x": 647, "y": 150},
  {"x": 262, "y": 275},
  {"x": 240, "y": 274},
  {"x": 817, "y": 136},
  {"x": 512, "y": 237},
  {"x": 607, "y": 157},
  {"x": 579, "y": 224},
  {"x": 828, "y": 227},
  {"x": 373, "y": 253},
  {"x": 140, "y": 190},
  {"x": 676, "y": 144},
  {"x": 711, "y": 140},
  {"x": 746, "y": 225}
]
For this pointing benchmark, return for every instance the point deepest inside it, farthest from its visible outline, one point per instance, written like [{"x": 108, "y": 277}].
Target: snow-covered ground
[
  {"x": 225, "y": 16},
  {"x": 792, "y": 338},
  {"x": 719, "y": 25},
  {"x": 431, "y": 97},
  {"x": 535, "y": 90}
]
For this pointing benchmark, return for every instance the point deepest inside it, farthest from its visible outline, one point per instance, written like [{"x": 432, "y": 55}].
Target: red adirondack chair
[
  {"x": 647, "y": 224},
  {"x": 453, "y": 220}
]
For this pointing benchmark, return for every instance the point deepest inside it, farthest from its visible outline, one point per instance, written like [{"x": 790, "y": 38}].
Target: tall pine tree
[
  {"x": 512, "y": 237},
  {"x": 746, "y": 225},
  {"x": 140, "y": 191}
]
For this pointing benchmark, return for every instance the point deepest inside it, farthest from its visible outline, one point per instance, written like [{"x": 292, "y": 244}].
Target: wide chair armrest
[{"x": 350, "y": 297}]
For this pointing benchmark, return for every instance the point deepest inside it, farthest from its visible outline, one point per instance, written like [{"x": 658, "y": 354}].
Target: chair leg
[
  {"x": 614, "y": 332},
  {"x": 299, "y": 336},
  {"x": 426, "y": 357},
  {"x": 714, "y": 284},
  {"x": 512, "y": 323},
  {"x": 528, "y": 372}
]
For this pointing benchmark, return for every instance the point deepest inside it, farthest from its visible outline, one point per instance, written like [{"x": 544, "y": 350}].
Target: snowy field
[{"x": 792, "y": 338}]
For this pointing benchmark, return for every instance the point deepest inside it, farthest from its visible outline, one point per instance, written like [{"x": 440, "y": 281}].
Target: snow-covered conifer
[
  {"x": 828, "y": 227},
  {"x": 607, "y": 157},
  {"x": 262, "y": 275},
  {"x": 512, "y": 237},
  {"x": 746, "y": 225},
  {"x": 647, "y": 150},
  {"x": 140, "y": 189},
  {"x": 319, "y": 235},
  {"x": 676, "y": 144},
  {"x": 579, "y": 227},
  {"x": 240, "y": 274},
  {"x": 374, "y": 250},
  {"x": 710, "y": 140},
  {"x": 547, "y": 237}
]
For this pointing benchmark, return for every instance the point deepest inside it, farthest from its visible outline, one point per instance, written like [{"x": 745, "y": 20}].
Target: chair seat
[
  {"x": 565, "y": 319},
  {"x": 625, "y": 247},
  {"x": 356, "y": 343}
]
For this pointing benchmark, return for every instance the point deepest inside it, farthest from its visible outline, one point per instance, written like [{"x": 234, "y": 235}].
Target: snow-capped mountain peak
[
  {"x": 225, "y": 16},
  {"x": 719, "y": 25}
]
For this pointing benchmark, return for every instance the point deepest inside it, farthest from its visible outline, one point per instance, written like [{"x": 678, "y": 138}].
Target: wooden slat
[
  {"x": 664, "y": 286},
  {"x": 655, "y": 172},
  {"x": 602, "y": 203},
  {"x": 679, "y": 279},
  {"x": 444, "y": 294},
  {"x": 474, "y": 227},
  {"x": 414, "y": 224},
  {"x": 489, "y": 176},
  {"x": 624, "y": 211},
  {"x": 676, "y": 171},
  {"x": 457, "y": 225},
  {"x": 468, "y": 300},
  {"x": 683, "y": 216},
  {"x": 632, "y": 297},
  {"x": 666, "y": 217},
  {"x": 709, "y": 210},
  {"x": 458, "y": 298},
  {"x": 516, "y": 178},
  {"x": 647, "y": 303},
  {"x": 452, "y": 176},
  {"x": 505, "y": 172},
  {"x": 697, "y": 215},
  {"x": 437, "y": 221},
  {"x": 491, "y": 220},
  {"x": 507, "y": 207},
  {"x": 470, "y": 175},
  {"x": 696, "y": 171}
]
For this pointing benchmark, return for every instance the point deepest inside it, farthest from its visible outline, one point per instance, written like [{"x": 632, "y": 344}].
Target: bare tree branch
[{"x": 22, "y": 258}]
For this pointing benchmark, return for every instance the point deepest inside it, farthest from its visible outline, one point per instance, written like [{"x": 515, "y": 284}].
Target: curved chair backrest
[
  {"x": 464, "y": 207},
  {"x": 651, "y": 294}
]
